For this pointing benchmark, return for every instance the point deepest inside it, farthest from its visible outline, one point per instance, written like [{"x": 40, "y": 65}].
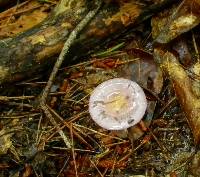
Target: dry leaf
[
  {"x": 5, "y": 142},
  {"x": 183, "y": 89},
  {"x": 175, "y": 21}
]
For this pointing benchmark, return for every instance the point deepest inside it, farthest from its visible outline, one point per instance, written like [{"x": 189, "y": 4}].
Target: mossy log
[{"x": 36, "y": 49}]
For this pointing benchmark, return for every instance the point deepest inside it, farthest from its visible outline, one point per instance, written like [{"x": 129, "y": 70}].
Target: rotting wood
[{"x": 34, "y": 50}]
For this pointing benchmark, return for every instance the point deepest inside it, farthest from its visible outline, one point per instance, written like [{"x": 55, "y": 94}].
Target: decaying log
[{"x": 34, "y": 50}]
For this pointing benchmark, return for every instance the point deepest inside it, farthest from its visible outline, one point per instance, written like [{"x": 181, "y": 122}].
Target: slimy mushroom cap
[{"x": 117, "y": 104}]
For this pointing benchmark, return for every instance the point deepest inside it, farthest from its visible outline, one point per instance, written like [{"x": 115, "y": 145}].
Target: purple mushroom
[{"x": 117, "y": 104}]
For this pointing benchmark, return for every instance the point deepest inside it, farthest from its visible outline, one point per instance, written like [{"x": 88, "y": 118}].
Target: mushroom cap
[{"x": 117, "y": 104}]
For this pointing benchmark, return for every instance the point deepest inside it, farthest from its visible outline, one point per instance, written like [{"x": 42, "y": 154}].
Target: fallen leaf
[
  {"x": 172, "y": 22},
  {"x": 182, "y": 84},
  {"x": 5, "y": 142}
]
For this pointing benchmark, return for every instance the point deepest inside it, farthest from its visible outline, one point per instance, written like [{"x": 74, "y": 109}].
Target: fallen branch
[
  {"x": 34, "y": 50},
  {"x": 67, "y": 45}
]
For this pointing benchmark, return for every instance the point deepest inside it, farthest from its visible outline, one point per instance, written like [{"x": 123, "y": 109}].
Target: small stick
[{"x": 65, "y": 50}]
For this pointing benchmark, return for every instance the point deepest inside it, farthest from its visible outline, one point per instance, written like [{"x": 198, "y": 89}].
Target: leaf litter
[{"x": 165, "y": 144}]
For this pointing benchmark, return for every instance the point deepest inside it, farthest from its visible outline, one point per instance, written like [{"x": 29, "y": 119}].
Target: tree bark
[{"x": 36, "y": 49}]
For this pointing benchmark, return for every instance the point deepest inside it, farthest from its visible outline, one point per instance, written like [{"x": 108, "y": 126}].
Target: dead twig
[{"x": 67, "y": 45}]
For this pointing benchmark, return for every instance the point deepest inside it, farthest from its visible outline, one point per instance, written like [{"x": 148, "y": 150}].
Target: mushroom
[{"x": 117, "y": 104}]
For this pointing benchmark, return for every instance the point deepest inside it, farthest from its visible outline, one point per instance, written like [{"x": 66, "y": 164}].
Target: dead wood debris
[{"x": 164, "y": 145}]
